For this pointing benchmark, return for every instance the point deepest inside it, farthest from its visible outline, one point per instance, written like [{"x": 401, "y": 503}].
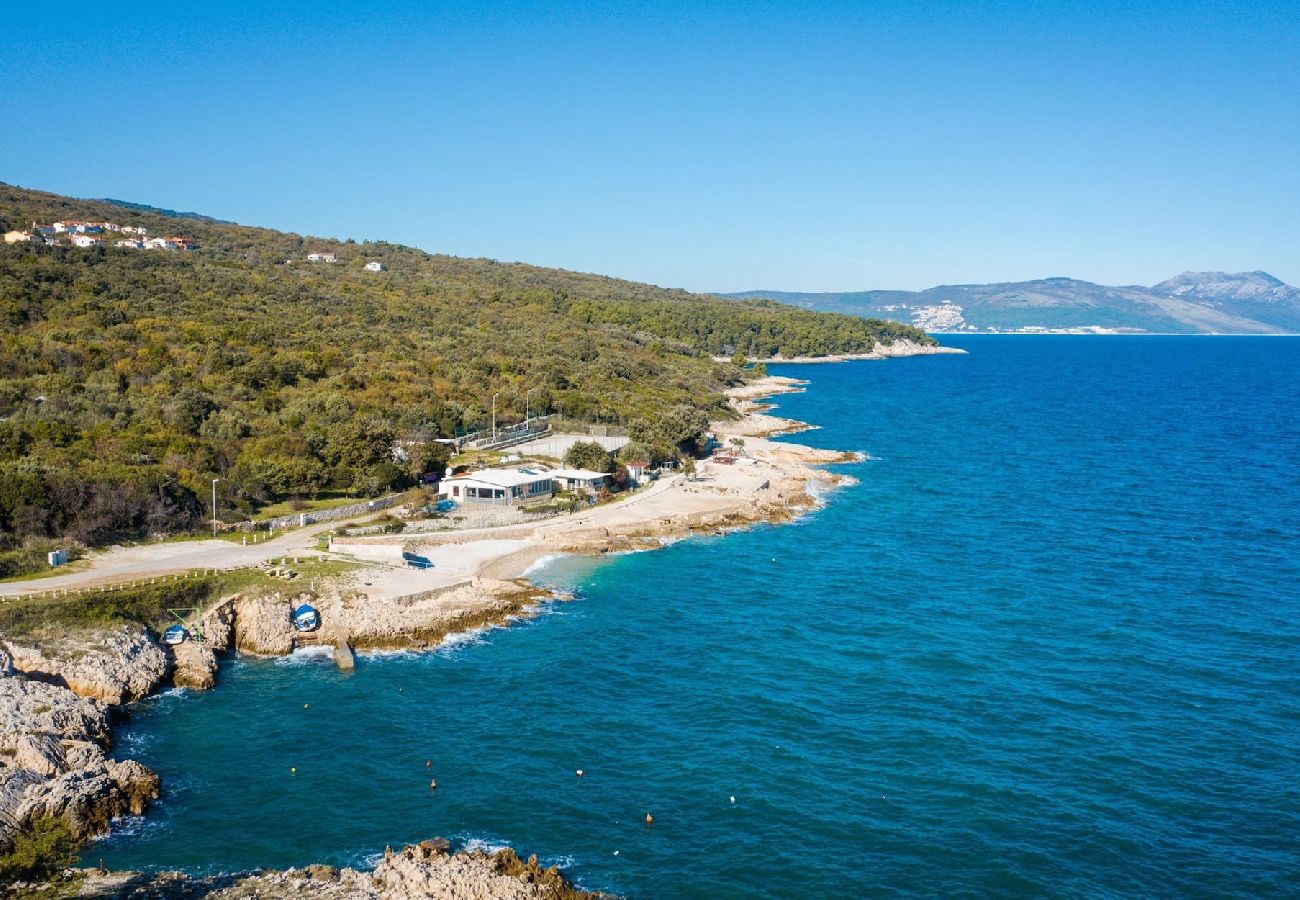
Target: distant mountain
[{"x": 1190, "y": 303}]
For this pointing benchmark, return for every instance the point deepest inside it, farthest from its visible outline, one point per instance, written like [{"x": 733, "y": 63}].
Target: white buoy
[
  {"x": 733, "y": 799},
  {"x": 579, "y": 773}
]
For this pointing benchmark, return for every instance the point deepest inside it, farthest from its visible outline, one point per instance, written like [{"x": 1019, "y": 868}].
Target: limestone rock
[
  {"x": 262, "y": 626},
  {"x": 53, "y": 761},
  {"x": 194, "y": 665},
  {"x": 218, "y": 626},
  {"x": 116, "y": 666},
  {"x": 87, "y": 800}
]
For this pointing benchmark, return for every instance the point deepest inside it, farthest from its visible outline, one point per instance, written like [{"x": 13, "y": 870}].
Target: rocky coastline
[{"x": 60, "y": 691}]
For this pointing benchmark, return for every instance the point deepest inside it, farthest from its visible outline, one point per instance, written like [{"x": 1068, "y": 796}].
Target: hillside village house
[
  {"x": 374, "y": 267},
  {"x": 170, "y": 243},
  {"x": 17, "y": 237},
  {"x": 77, "y": 228},
  {"x": 320, "y": 257},
  {"x": 132, "y": 243},
  {"x": 497, "y": 487},
  {"x": 86, "y": 240},
  {"x": 579, "y": 480}
]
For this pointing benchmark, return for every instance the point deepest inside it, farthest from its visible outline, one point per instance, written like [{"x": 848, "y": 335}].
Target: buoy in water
[
  {"x": 428, "y": 763},
  {"x": 305, "y": 705},
  {"x": 649, "y": 819},
  {"x": 433, "y": 785},
  {"x": 293, "y": 770},
  {"x": 733, "y": 799},
  {"x": 579, "y": 773}
]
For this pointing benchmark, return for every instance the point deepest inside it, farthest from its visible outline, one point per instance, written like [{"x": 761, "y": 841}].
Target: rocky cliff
[
  {"x": 427, "y": 870},
  {"x": 54, "y": 761}
]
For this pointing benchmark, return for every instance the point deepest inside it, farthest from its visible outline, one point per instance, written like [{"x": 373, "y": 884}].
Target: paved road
[{"x": 150, "y": 560}]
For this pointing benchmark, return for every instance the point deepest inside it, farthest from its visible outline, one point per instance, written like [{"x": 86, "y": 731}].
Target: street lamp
[
  {"x": 214, "y": 506},
  {"x": 494, "y": 416}
]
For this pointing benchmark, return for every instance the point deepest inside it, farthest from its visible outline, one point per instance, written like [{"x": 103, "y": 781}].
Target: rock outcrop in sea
[{"x": 54, "y": 761}]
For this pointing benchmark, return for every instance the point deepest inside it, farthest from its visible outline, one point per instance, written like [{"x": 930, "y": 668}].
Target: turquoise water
[{"x": 1047, "y": 645}]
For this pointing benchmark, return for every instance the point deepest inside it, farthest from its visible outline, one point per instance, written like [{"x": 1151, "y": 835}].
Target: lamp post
[
  {"x": 214, "y": 506},
  {"x": 527, "y": 394},
  {"x": 494, "y": 416}
]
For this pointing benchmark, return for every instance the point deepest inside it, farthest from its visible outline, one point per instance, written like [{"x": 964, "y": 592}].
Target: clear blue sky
[{"x": 819, "y": 146}]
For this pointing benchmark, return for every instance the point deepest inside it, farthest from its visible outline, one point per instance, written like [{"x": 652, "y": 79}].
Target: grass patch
[
  {"x": 147, "y": 604},
  {"x": 293, "y": 506}
]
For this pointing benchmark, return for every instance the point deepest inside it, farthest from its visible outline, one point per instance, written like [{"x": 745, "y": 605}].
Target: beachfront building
[
  {"x": 498, "y": 487},
  {"x": 579, "y": 480},
  {"x": 374, "y": 267},
  {"x": 320, "y": 257},
  {"x": 636, "y": 470}
]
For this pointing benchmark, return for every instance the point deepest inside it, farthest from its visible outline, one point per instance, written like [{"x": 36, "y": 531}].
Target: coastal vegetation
[
  {"x": 37, "y": 858},
  {"x": 130, "y": 379}
]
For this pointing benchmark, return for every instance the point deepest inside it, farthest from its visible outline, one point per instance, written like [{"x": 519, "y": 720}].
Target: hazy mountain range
[{"x": 1190, "y": 303}]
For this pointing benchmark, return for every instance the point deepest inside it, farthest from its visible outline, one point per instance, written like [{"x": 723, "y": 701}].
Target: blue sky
[{"x": 828, "y": 146}]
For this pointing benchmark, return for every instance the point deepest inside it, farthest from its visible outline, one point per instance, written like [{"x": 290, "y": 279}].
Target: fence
[
  {"x": 295, "y": 520},
  {"x": 118, "y": 586}
]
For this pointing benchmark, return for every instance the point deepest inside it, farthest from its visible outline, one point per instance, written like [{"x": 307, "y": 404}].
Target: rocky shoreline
[
  {"x": 60, "y": 691},
  {"x": 427, "y": 869}
]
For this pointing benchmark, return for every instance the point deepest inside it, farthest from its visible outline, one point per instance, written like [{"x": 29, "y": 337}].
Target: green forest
[{"x": 129, "y": 379}]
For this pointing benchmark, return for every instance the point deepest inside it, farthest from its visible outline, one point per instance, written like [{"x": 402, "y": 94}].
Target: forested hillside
[{"x": 130, "y": 378}]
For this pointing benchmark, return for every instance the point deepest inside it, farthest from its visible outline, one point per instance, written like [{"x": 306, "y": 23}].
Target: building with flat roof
[
  {"x": 579, "y": 479},
  {"x": 500, "y": 487}
]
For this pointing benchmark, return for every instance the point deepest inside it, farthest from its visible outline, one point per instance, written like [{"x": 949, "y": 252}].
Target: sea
[{"x": 1048, "y": 644}]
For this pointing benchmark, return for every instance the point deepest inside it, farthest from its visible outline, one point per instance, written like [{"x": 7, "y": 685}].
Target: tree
[
  {"x": 688, "y": 468},
  {"x": 635, "y": 451},
  {"x": 588, "y": 455},
  {"x": 40, "y": 851}
]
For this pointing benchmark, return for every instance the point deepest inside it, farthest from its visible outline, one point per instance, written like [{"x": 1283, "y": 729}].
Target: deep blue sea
[{"x": 1049, "y": 644}]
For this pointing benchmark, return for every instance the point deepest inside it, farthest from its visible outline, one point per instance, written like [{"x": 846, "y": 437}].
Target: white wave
[
  {"x": 486, "y": 845},
  {"x": 457, "y": 641},
  {"x": 541, "y": 564},
  {"x": 304, "y": 656}
]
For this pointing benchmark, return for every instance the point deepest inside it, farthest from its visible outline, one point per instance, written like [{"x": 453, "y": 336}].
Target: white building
[
  {"x": 134, "y": 229},
  {"x": 320, "y": 257},
  {"x": 17, "y": 237},
  {"x": 86, "y": 240},
  {"x": 374, "y": 267},
  {"x": 72, "y": 227},
  {"x": 131, "y": 243},
  {"x": 170, "y": 243},
  {"x": 637, "y": 469},
  {"x": 579, "y": 480},
  {"x": 497, "y": 487}
]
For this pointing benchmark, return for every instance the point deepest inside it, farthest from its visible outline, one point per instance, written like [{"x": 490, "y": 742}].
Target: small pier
[{"x": 343, "y": 654}]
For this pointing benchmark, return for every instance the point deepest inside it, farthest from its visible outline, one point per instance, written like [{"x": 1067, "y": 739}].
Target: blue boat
[
  {"x": 305, "y": 618},
  {"x": 175, "y": 635}
]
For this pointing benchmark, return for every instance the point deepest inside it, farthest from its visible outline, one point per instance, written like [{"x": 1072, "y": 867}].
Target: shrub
[
  {"x": 41, "y": 851},
  {"x": 588, "y": 455}
]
